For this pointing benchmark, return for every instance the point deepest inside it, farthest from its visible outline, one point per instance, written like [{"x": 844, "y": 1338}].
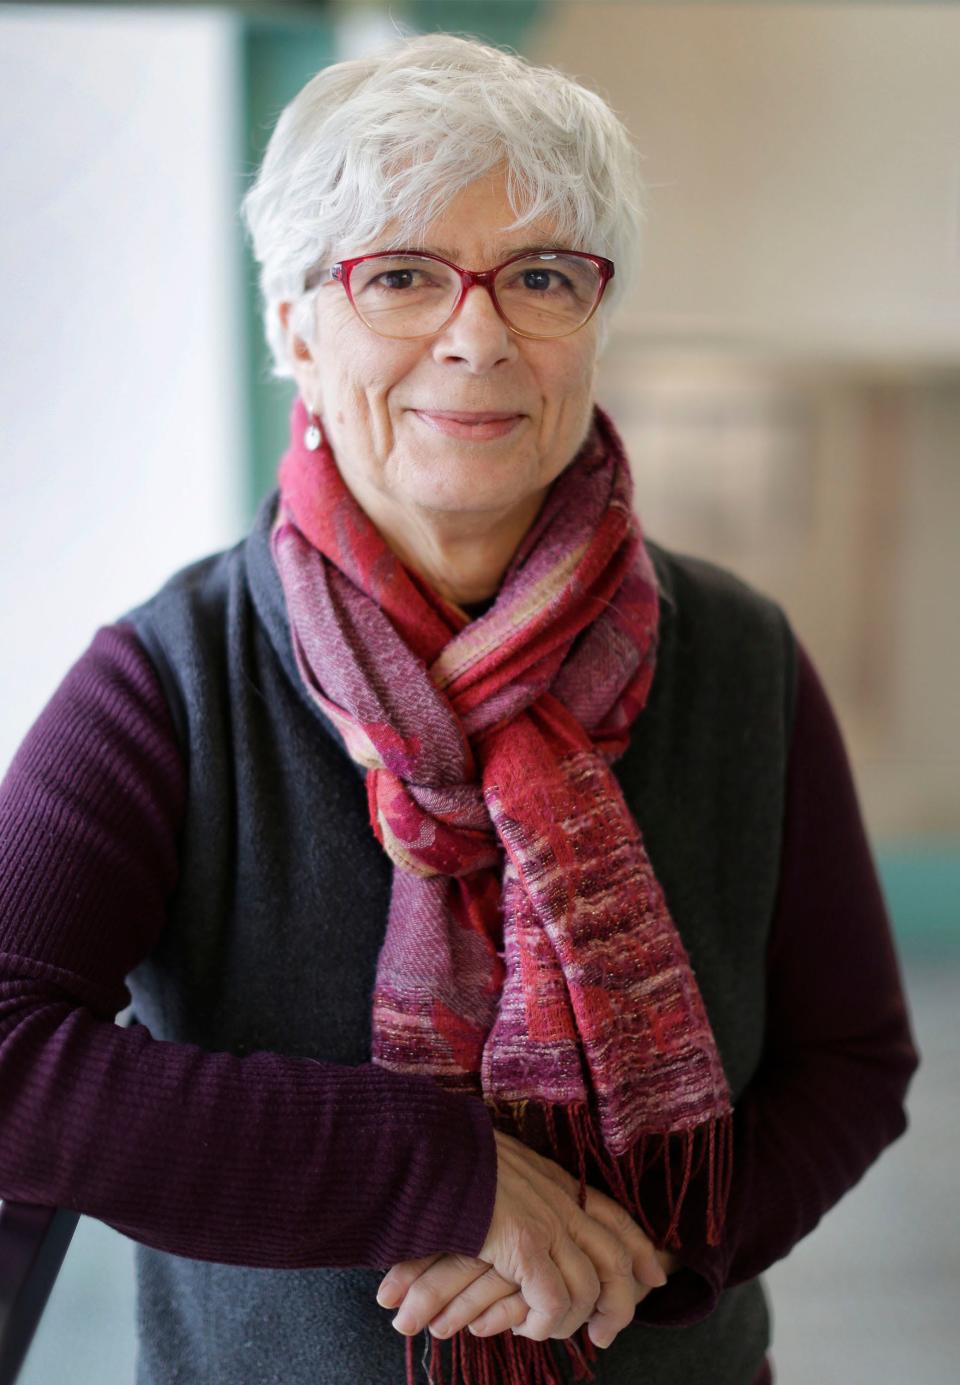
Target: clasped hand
[{"x": 546, "y": 1267}]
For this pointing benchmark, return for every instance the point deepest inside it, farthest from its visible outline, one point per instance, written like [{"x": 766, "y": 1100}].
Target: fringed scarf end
[
  {"x": 573, "y": 1139},
  {"x": 682, "y": 1154},
  {"x": 501, "y": 1360}
]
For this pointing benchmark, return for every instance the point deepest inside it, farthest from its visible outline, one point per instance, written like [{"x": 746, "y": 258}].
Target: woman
[{"x": 604, "y": 1012}]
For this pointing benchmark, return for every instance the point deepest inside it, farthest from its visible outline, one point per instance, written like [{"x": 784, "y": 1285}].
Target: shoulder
[
  {"x": 716, "y": 626},
  {"x": 692, "y": 587},
  {"x": 214, "y": 626},
  {"x": 185, "y": 627},
  {"x": 205, "y": 596},
  {"x": 201, "y": 588}
]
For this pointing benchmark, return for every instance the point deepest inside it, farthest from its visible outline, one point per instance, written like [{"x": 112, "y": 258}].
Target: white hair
[{"x": 394, "y": 137}]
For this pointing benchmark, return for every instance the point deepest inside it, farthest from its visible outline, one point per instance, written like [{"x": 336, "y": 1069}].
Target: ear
[{"x": 298, "y": 347}]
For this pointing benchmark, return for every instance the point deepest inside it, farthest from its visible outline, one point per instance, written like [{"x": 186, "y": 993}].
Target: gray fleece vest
[{"x": 256, "y": 954}]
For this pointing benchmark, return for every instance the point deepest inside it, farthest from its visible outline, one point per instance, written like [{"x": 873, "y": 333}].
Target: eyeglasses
[{"x": 547, "y": 293}]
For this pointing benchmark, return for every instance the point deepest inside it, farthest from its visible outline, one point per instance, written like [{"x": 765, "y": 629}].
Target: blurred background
[{"x": 786, "y": 376}]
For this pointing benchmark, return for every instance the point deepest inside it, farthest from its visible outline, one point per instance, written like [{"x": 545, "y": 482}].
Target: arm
[
  {"x": 839, "y": 1052},
  {"x": 263, "y": 1160}
]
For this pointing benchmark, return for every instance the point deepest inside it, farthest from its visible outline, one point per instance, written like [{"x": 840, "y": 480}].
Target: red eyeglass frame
[{"x": 483, "y": 278}]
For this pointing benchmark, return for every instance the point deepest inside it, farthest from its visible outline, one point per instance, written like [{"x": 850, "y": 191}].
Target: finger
[
  {"x": 471, "y": 1302},
  {"x": 583, "y": 1286},
  {"x": 584, "y": 1282},
  {"x": 614, "y": 1310},
  {"x": 544, "y": 1290},
  {"x": 614, "y": 1306},
  {"x": 611, "y": 1215},
  {"x": 430, "y": 1293},
  {"x": 503, "y": 1315},
  {"x": 397, "y": 1280}
]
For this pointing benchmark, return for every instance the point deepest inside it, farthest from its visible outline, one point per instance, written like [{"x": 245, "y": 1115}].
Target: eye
[
  {"x": 397, "y": 276},
  {"x": 396, "y": 279},
  {"x": 538, "y": 279}
]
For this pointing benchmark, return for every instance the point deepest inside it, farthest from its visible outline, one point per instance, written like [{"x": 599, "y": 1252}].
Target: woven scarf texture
[{"x": 529, "y": 956}]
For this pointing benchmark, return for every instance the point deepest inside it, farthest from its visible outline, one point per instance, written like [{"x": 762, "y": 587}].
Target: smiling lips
[{"x": 456, "y": 423}]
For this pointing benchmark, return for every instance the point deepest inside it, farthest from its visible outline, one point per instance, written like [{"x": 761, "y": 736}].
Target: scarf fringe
[
  {"x": 682, "y": 1154},
  {"x": 509, "y": 1360},
  {"x": 502, "y": 1360}
]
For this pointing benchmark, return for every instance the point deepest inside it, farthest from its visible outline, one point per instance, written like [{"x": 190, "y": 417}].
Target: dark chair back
[{"x": 33, "y": 1242}]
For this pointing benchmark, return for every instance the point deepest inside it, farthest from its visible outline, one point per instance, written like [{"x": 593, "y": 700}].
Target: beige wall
[
  {"x": 836, "y": 490},
  {"x": 803, "y": 163},
  {"x": 925, "y": 762},
  {"x": 787, "y": 373}
]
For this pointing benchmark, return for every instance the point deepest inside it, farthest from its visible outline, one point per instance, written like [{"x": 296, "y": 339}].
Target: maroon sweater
[{"x": 267, "y": 1160}]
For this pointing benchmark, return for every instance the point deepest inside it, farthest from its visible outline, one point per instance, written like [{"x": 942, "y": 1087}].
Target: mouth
[{"x": 465, "y": 423}]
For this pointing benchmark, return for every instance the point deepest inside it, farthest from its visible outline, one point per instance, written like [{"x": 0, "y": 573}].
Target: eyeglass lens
[{"x": 411, "y": 296}]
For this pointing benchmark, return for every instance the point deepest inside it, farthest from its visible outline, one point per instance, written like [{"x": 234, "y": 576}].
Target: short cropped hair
[{"x": 394, "y": 137}]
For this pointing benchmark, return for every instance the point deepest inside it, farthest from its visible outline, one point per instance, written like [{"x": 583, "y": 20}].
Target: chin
[{"x": 468, "y": 501}]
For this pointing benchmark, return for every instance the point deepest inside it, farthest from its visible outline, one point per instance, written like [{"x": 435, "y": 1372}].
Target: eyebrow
[{"x": 446, "y": 253}]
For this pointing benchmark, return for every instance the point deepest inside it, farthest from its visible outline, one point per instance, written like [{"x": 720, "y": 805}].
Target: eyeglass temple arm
[{"x": 317, "y": 276}]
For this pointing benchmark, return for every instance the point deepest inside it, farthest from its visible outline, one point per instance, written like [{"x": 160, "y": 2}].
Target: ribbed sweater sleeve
[
  {"x": 839, "y": 1052},
  {"x": 261, "y": 1160}
]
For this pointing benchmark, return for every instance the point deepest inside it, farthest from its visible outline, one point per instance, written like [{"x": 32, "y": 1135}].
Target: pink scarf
[{"x": 529, "y": 956}]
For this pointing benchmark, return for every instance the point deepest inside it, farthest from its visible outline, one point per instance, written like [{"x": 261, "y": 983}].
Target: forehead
[{"x": 474, "y": 229}]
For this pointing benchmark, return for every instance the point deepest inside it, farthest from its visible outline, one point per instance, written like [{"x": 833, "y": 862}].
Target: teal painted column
[
  {"x": 278, "y": 57},
  {"x": 501, "y": 22},
  {"x": 921, "y": 882}
]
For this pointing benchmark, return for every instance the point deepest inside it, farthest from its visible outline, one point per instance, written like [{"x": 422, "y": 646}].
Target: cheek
[
  {"x": 368, "y": 384},
  {"x": 365, "y": 398},
  {"x": 353, "y": 368},
  {"x": 570, "y": 389},
  {"x": 352, "y": 391},
  {"x": 568, "y": 409}
]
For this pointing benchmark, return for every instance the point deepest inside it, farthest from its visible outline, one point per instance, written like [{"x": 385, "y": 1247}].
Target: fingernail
[
  {"x": 387, "y": 1296},
  {"x": 406, "y": 1331}
]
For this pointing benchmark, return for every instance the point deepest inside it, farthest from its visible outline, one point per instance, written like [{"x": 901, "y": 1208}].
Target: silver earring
[{"x": 313, "y": 434}]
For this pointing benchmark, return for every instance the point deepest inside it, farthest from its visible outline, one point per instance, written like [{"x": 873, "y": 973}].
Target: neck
[{"x": 461, "y": 556}]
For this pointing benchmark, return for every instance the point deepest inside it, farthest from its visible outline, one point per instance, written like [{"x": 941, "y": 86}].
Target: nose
[{"x": 476, "y": 335}]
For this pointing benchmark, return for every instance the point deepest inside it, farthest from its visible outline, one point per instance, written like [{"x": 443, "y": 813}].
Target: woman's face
[{"x": 382, "y": 400}]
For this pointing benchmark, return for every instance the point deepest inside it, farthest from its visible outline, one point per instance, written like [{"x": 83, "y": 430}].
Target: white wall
[{"x": 119, "y": 322}]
